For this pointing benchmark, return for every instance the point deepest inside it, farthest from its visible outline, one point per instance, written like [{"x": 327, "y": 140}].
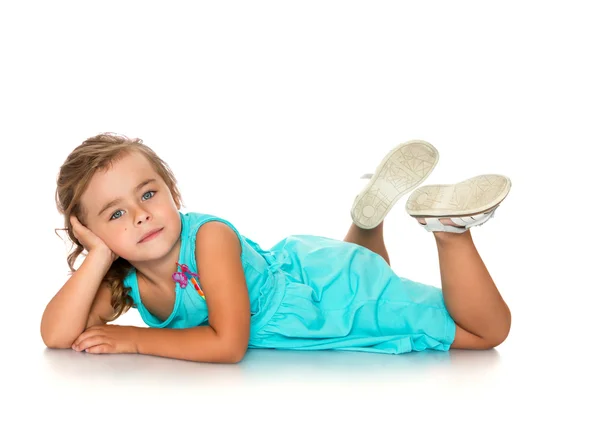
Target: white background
[{"x": 268, "y": 113}]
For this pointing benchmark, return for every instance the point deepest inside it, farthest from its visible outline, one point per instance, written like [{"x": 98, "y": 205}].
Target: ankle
[{"x": 442, "y": 237}]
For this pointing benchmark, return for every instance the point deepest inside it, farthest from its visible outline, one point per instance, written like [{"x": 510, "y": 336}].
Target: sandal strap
[{"x": 434, "y": 224}]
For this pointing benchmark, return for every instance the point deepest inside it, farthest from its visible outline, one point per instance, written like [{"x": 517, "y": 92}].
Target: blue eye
[
  {"x": 151, "y": 191},
  {"x": 143, "y": 198},
  {"x": 113, "y": 216}
]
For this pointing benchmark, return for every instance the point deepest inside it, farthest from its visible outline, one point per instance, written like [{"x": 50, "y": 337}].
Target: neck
[{"x": 159, "y": 272}]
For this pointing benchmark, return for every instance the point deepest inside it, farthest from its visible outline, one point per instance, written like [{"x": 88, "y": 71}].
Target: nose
[{"x": 142, "y": 216}]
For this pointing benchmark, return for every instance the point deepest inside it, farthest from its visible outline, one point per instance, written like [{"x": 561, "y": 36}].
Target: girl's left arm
[{"x": 225, "y": 340}]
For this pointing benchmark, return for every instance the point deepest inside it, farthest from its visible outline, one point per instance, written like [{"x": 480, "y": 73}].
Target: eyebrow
[{"x": 116, "y": 201}]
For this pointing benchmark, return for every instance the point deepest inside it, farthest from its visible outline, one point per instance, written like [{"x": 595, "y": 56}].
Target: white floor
[{"x": 269, "y": 113}]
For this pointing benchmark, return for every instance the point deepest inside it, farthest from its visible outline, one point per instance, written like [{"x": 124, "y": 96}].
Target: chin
[{"x": 157, "y": 248}]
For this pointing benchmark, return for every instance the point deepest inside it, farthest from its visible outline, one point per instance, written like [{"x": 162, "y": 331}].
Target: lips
[{"x": 149, "y": 234}]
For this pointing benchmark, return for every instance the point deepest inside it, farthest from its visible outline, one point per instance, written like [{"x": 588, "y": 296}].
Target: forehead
[{"x": 117, "y": 181}]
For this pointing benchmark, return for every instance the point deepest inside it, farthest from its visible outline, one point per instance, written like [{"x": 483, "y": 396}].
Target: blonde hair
[{"x": 98, "y": 153}]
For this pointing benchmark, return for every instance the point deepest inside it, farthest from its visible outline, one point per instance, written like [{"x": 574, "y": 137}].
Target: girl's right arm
[{"x": 81, "y": 302}]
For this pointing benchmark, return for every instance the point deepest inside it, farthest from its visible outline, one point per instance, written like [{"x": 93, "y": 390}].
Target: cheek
[
  {"x": 118, "y": 239},
  {"x": 175, "y": 222}
]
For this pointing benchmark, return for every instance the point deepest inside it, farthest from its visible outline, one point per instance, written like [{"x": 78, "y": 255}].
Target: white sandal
[
  {"x": 468, "y": 203},
  {"x": 400, "y": 171}
]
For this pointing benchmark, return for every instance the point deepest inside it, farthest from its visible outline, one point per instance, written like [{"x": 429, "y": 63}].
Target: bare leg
[
  {"x": 371, "y": 239},
  {"x": 483, "y": 319}
]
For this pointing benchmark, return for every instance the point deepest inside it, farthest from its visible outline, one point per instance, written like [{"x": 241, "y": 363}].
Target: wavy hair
[{"x": 98, "y": 153}]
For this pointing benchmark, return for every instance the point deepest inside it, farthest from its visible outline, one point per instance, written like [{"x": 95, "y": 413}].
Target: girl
[{"x": 207, "y": 292}]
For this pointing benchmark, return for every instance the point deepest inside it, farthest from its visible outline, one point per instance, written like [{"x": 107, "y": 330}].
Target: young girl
[{"x": 207, "y": 293}]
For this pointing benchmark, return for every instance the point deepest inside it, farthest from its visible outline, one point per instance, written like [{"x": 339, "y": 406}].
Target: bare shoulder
[
  {"x": 218, "y": 252},
  {"x": 216, "y": 233},
  {"x": 221, "y": 272}
]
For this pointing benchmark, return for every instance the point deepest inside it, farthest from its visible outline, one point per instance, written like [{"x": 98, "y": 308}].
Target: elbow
[
  {"x": 52, "y": 341},
  {"x": 232, "y": 347},
  {"x": 235, "y": 356},
  {"x": 49, "y": 337},
  {"x": 234, "y": 353}
]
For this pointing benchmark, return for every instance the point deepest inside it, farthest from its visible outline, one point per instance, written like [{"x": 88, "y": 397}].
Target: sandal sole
[
  {"x": 469, "y": 197},
  {"x": 401, "y": 170}
]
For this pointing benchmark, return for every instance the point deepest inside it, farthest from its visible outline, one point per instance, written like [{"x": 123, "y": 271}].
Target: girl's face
[{"x": 126, "y": 202}]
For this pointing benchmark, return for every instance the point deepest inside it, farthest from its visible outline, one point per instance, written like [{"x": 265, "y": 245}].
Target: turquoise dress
[{"x": 311, "y": 293}]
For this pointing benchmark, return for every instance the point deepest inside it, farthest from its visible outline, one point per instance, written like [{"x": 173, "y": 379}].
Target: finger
[
  {"x": 89, "y": 332},
  {"x": 90, "y": 341},
  {"x": 75, "y": 223},
  {"x": 78, "y": 227},
  {"x": 78, "y": 340},
  {"x": 100, "y": 349}
]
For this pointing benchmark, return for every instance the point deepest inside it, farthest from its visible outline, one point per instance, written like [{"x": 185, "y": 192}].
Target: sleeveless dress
[{"x": 312, "y": 293}]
